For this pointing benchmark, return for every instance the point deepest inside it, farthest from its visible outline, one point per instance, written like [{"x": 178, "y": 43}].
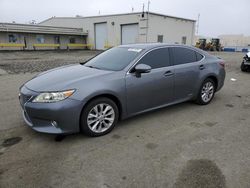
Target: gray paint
[{"x": 136, "y": 95}]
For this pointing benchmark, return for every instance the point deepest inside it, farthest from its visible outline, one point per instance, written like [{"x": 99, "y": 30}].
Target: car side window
[
  {"x": 198, "y": 56},
  {"x": 183, "y": 55},
  {"x": 157, "y": 58}
]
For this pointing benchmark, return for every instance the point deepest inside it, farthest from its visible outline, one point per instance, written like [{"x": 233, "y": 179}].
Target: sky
[{"x": 216, "y": 16}]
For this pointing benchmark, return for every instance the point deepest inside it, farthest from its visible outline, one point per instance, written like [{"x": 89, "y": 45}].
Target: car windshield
[{"x": 114, "y": 59}]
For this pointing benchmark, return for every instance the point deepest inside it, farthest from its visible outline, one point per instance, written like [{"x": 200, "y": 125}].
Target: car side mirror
[{"x": 142, "y": 68}]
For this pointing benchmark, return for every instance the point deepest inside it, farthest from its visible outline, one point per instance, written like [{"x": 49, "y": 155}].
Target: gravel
[{"x": 39, "y": 61}]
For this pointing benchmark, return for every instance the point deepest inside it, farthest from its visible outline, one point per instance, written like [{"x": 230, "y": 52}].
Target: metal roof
[
  {"x": 122, "y": 14},
  {"x": 29, "y": 28}
]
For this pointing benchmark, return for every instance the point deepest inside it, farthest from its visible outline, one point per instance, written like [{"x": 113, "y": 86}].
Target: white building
[
  {"x": 111, "y": 30},
  {"x": 37, "y": 37},
  {"x": 235, "y": 40}
]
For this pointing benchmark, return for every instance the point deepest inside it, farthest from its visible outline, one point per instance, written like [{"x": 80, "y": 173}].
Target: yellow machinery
[
  {"x": 213, "y": 45},
  {"x": 201, "y": 44}
]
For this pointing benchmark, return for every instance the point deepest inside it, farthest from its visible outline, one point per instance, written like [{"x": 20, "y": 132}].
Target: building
[
  {"x": 111, "y": 30},
  {"x": 97, "y": 32},
  {"x": 238, "y": 43},
  {"x": 235, "y": 40},
  {"x": 37, "y": 37}
]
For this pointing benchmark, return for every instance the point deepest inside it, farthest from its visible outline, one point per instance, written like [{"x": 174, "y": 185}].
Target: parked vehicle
[
  {"x": 201, "y": 43},
  {"x": 245, "y": 65},
  {"x": 119, "y": 83}
]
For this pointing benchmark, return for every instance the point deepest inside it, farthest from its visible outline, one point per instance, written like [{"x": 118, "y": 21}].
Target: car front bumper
[
  {"x": 61, "y": 117},
  {"x": 246, "y": 62}
]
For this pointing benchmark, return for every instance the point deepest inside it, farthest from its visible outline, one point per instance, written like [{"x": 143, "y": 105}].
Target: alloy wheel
[
  {"x": 207, "y": 92},
  {"x": 100, "y": 118}
]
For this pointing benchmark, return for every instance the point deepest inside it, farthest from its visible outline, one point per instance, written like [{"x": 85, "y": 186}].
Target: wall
[
  {"x": 114, "y": 31},
  {"x": 31, "y": 39},
  {"x": 235, "y": 40},
  {"x": 172, "y": 29}
]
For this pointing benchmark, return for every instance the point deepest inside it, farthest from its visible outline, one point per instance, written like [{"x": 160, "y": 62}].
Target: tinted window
[
  {"x": 114, "y": 59},
  {"x": 157, "y": 58},
  {"x": 198, "y": 56},
  {"x": 183, "y": 55}
]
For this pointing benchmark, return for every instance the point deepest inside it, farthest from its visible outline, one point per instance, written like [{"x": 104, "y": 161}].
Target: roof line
[
  {"x": 120, "y": 14},
  {"x": 37, "y": 25}
]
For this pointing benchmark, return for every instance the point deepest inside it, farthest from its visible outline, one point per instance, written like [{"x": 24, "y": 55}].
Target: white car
[{"x": 245, "y": 65}]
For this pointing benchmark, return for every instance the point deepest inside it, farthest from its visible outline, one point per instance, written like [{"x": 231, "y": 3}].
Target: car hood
[{"x": 63, "y": 78}]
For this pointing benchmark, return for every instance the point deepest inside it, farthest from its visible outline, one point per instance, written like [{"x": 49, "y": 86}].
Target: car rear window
[
  {"x": 183, "y": 55},
  {"x": 198, "y": 56}
]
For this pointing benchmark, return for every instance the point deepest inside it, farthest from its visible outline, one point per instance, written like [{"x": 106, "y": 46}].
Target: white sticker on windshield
[{"x": 135, "y": 50}]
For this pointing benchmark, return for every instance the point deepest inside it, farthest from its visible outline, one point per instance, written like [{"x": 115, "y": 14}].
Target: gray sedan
[{"x": 119, "y": 83}]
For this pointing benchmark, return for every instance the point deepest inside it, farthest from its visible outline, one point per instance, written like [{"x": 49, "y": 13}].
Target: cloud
[{"x": 216, "y": 17}]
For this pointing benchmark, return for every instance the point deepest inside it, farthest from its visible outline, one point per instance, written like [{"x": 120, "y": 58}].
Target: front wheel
[
  {"x": 206, "y": 92},
  {"x": 243, "y": 67},
  {"x": 99, "y": 117}
]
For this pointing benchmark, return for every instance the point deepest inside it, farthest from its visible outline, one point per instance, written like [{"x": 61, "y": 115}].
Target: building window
[
  {"x": 40, "y": 39},
  {"x": 184, "y": 40},
  {"x": 160, "y": 38},
  {"x": 72, "y": 40},
  {"x": 57, "y": 39},
  {"x": 12, "y": 38}
]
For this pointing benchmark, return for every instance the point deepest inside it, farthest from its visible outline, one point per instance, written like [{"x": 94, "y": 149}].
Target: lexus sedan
[{"x": 119, "y": 83}]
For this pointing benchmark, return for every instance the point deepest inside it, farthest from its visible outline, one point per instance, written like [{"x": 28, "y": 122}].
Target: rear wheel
[
  {"x": 206, "y": 92},
  {"x": 99, "y": 117}
]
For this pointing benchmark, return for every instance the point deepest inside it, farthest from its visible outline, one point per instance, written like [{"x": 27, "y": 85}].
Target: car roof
[{"x": 149, "y": 46}]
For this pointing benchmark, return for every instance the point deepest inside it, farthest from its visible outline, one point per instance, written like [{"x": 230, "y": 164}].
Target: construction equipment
[
  {"x": 215, "y": 45},
  {"x": 201, "y": 44}
]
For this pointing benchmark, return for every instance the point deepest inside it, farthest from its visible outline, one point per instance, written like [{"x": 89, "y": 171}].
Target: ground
[{"x": 185, "y": 145}]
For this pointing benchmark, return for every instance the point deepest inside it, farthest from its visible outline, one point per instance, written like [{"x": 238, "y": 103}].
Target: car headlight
[{"x": 53, "y": 96}]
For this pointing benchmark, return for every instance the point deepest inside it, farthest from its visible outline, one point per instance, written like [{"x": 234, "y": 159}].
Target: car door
[
  {"x": 187, "y": 69},
  {"x": 151, "y": 89}
]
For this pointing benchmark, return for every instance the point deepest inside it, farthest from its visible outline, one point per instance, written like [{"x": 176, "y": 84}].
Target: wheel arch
[
  {"x": 215, "y": 79},
  {"x": 112, "y": 97}
]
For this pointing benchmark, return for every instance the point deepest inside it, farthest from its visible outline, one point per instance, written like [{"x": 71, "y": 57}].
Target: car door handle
[
  {"x": 201, "y": 67},
  {"x": 168, "y": 73}
]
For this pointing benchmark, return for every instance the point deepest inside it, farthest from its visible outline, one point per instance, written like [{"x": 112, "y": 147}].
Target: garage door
[
  {"x": 101, "y": 36},
  {"x": 130, "y": 33}
]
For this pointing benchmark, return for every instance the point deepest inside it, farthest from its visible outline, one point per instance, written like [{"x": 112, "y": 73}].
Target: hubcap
[
  {"x": 100, "y": 118},
  {"x": 207, "y": 92}
]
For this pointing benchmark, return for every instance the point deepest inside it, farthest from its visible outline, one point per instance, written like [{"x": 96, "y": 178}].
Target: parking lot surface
[{"x": 185, "y": 145}]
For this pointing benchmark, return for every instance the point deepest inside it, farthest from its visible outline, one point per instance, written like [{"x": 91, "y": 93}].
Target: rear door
[
  {"x": 187, "y": 69},
  {"x": 152, "y": 89}
]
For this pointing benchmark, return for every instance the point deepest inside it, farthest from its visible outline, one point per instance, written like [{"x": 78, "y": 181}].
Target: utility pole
[
  {"x": 147, "y": 21},
  {"x": 198, "y": 24}
]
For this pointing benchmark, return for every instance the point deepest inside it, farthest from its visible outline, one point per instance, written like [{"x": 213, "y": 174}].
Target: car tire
[
  {"x": 206, "y": 92},
  {"x": 99, "y": 117},
  {"x": 243, "y": 67}
]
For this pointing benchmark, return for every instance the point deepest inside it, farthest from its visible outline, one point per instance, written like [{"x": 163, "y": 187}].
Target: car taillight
[{"x": 222, "y": 64}]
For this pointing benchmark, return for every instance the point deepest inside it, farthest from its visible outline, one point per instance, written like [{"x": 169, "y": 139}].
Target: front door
[{"x": 152, "y": 89}]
